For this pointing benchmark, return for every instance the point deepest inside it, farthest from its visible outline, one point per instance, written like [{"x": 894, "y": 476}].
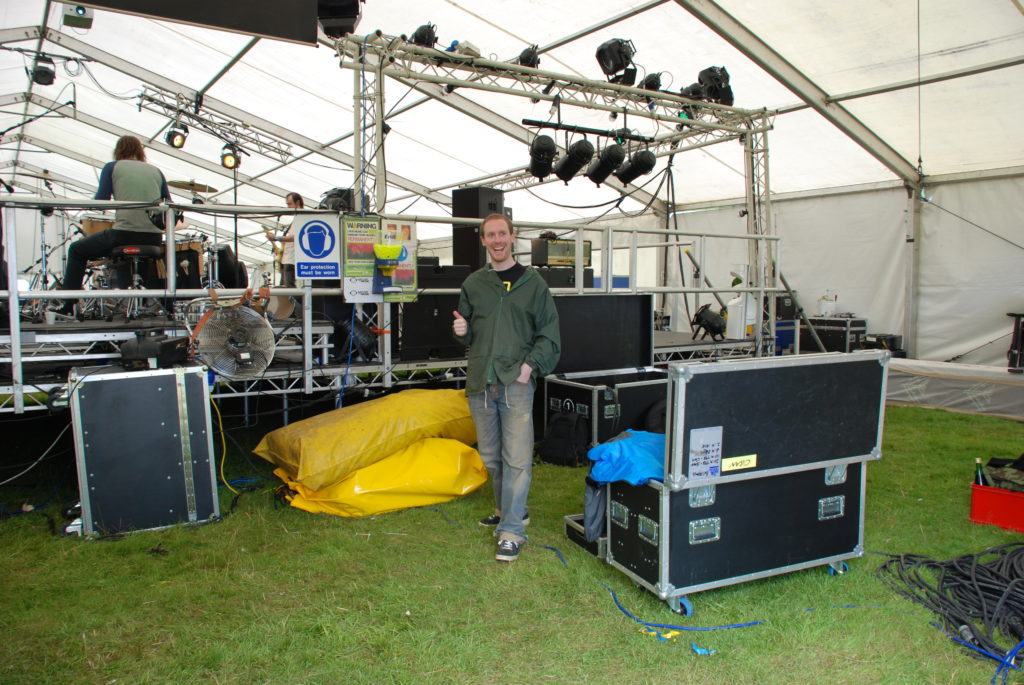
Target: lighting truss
[
  {"x": 230, "y": 131},
  {"x": 402, "y": 60}
]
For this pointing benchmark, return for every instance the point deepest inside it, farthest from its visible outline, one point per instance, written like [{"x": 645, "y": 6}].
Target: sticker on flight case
[
  {"x": 706, "y": 452},
  {"x": 747, "y": 461}
]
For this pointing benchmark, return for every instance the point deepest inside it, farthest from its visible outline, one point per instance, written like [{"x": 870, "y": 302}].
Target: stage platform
[
  {"x": 968, "y": 388},
  {"x": 671, "y": 346}
]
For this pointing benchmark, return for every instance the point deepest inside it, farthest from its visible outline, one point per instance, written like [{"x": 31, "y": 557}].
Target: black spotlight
[
  {"x": 43, "y": 71},
  {"x": 425, "y": 36},
  {"x": 176, "y": 135},
  {"x": 639, "y": 164},
  {"x": 651, "y": 81},
  {"x": 715, "y": 81},
  {"x": 542, "y": 151},
  {"x": 615, "y": 56},
  {"x": 607, "y": 162},
  {"x": 694, "y": 91},
  {"x": 579, "y": 155},
  {"x": 529, "y": 57},
  {"x": 709, "y": 321},
  {"x": 229, "y": 157}
]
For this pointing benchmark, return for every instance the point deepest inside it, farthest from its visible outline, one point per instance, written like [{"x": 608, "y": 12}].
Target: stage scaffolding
[{"x": 307, "y": 368}]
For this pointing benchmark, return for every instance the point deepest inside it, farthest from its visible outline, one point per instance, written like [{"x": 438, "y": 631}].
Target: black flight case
[
  {"x": 765, "y": 473},
  {"x": 143, "y": 446}
]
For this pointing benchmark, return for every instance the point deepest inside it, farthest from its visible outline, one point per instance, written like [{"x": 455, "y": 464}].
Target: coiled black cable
[{"x": 979, "y": 597}]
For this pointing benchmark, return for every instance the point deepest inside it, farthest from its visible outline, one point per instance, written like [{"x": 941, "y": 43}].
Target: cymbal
[{"x": 193, "y": 186}]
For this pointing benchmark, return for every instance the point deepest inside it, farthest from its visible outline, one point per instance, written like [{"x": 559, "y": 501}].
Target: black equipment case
[
  {"x": 765, "y": 473},
  {"x": 143, "y": 446},
  {"x": 610, "y": 401},
  {"x": 837, "y": 333}
]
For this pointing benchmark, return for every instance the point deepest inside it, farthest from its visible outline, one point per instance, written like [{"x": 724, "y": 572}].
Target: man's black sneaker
[
  {"x": 494, "y": 519},
  {"x": 508, "y": 550}
]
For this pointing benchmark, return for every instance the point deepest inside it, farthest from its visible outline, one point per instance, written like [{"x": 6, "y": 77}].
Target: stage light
[
  {"x": 229, "y": 157},
  {"x": 77, "y": 16},
  {"x": 639, "y": 164},
  {"x": 579, "y": 155},
  {"x": 607, "y": 162},
  {"x": 542, "y": 151},
  {"x": 176, "y": 135},
  {"x": 694, "y": 91},
  {"x": 615, "y": 56},
  {"x": 425, "y": 36},
  {"x": 651, "y": 81},
  {"x": 710, "y": 321},
  {"x": 43, "y": 70},
  {"x": 715, "y": 82},
  {"x": 529, "y": 57}
]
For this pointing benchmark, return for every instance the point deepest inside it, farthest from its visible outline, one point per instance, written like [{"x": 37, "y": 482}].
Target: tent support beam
[
  {"x": 166, "y": 84},
  {"x": 725, "y": 25}
]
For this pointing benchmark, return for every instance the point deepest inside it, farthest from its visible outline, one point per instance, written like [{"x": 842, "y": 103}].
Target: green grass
[{"x": 272, "y": 594}]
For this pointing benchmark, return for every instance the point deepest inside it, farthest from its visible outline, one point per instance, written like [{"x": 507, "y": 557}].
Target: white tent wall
[
  {"x": 852, "y": 244},
  {"x": 970, "y": 279}
]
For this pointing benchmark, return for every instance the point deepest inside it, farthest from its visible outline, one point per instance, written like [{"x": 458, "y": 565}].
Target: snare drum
[{"x": 96, "y": 223}]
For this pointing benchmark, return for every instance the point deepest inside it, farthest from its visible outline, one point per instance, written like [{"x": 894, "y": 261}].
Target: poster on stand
[
  {"x": 404, "y": 276},
  {"x": 361, "y": 232}
]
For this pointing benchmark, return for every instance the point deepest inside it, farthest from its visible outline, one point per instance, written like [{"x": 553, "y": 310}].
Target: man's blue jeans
[{"x": 503, "y": 415}]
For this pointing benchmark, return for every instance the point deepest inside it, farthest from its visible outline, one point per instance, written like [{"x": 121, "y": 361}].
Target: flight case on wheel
[
  {"x": 609, "y": 401},
  {"x": 143, "y": 446},
  {"x": 765, "y": 473}
]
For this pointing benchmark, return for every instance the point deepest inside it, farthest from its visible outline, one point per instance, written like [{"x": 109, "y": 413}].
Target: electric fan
[{"x": 235, "y": 341}]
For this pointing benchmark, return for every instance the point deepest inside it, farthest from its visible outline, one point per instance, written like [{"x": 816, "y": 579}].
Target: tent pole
[{"x": 913, "y": 265}]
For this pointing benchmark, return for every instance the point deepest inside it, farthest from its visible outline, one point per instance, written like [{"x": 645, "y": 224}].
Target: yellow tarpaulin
[
  {"x": 320, "y": 451},
  {"x": 426, "y": 472}
]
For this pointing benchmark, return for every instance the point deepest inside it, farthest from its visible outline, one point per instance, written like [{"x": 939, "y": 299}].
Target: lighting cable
[
  {"x": 978, "y": 597},
  {"x": 40, "y": 459},
  {"x": 223, "y": 447}
]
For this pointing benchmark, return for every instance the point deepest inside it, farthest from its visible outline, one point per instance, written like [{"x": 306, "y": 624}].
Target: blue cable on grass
[
  {"x": 1006, "y": 663},
  {"x": 675, "y": 627},
  {"x": 560, "y": 557}
]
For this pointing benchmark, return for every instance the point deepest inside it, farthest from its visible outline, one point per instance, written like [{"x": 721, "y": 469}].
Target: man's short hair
[{"x": 502, "y": 217}]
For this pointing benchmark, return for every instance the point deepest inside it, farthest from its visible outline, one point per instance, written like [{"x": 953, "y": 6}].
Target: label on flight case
[
  {"x": 706, "y": 452},
  {"x": 747, "y": 461}
]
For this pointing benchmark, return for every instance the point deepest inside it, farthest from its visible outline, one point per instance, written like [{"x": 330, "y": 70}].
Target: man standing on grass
[{"x": 507, "y": 318}]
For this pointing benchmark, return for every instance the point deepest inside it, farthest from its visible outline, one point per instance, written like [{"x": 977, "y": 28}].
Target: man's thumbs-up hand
[{"x": 460, "y": 326}]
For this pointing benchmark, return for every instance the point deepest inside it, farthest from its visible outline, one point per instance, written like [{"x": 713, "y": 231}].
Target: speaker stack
[{"x": 476, "y": 203}]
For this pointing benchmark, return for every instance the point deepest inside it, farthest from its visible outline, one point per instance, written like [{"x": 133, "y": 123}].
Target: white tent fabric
[{"x": 872, "y": 93}]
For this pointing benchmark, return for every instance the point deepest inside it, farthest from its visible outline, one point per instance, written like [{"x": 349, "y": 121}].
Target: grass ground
[{"x": 271, "y": 594}]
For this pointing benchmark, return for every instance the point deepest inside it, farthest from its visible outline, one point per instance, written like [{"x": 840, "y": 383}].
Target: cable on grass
[
  {"x": 439, "y": 511},
  {"x": 675, "y": 627},
  {"x": 224, "y": 448},
  {"x": 560, "y": 557},
  {"x": 978, "y": 597}
]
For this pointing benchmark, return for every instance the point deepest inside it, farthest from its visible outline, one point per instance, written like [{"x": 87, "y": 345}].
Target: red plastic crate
[{"x": 998, "y": 506}]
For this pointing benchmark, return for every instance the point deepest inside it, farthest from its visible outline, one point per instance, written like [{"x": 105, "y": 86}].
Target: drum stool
[{"x": 134, "y": 255}]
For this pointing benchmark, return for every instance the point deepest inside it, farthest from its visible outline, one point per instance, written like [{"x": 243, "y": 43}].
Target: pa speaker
[{"x": 476, "y": 202}]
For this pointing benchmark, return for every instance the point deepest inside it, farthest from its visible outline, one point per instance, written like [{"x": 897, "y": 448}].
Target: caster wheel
[
  {"x": 680, "y": 605},
  {"x": 838, "y": 568}
]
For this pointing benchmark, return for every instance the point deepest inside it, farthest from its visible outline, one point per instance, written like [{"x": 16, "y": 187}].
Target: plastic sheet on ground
[
  {"x": 322, "y": 450},
  {"x": 426, "y": 472}
]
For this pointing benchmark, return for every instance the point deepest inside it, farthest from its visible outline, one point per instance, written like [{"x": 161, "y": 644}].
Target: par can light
[
  {"x": 579, "y": 155},
  {"x": 176, "y": 135},
  {"x": 641, "y": 163},
  {"x": 542, "y": 152},
  {"x": 229, "y": 157},
  {"x": 607, "y": 162}
]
